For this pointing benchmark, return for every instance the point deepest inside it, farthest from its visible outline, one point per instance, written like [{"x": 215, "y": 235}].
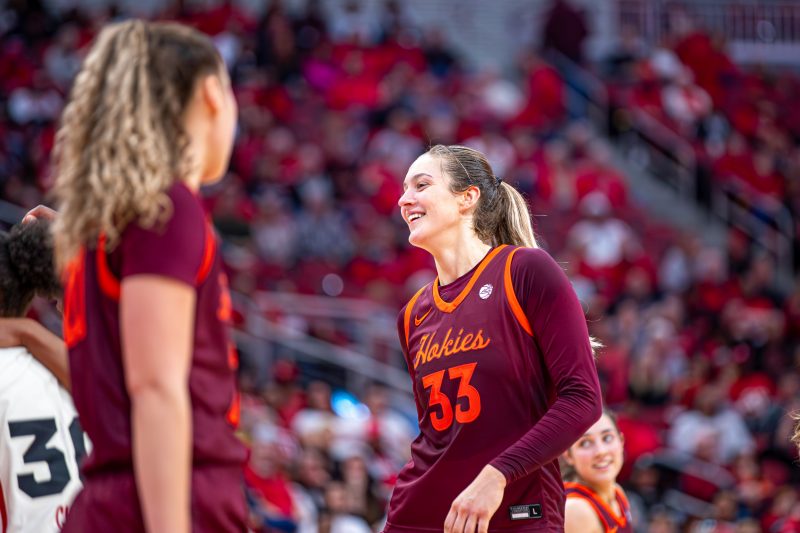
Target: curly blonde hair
[{"x": 121, "y": 143}]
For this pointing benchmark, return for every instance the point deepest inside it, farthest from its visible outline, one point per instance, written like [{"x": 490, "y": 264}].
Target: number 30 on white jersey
[{"x": 41, "y": 445}]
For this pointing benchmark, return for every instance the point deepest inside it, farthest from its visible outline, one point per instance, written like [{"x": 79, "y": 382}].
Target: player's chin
[{"x": 416, "y": 239}]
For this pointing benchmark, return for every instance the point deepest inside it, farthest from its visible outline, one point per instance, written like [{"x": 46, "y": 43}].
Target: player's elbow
[{"x": 159, "y": 388}]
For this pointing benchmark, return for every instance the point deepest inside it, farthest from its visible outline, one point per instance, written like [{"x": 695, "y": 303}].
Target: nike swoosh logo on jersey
[{"x": 418, "y": 320}]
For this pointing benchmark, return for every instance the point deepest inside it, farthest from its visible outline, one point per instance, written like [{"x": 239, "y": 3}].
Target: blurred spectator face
[
  {"x": 376, "y": 400},
  {"x": 662, "y": 523},
  {"x": 336, "y": 498},
  {"x": 725, "y": 506},
  {"x": 709, "y": 400},
  {"x": 311, "y": 470},
  {"x": 266, "y": 455},
  {"x": 319, "y": 396},
  {"x": 597, "y": 455}
]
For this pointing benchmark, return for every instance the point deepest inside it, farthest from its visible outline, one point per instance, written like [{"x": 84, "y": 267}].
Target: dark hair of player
[{"x": 26, "y": 267}]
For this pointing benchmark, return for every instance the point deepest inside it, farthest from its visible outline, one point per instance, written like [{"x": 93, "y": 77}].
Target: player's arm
[
  {"x": 559, "y": 328},
  {"x": 157, "y": 321},
  {"x": 579, "y": 517},
  {"x": 45, "y": 346}
]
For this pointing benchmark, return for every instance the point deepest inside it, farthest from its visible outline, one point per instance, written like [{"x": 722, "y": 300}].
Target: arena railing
[
  {"x": 766, "y": 31},
  {"x": 262, "y": 341},
  {"x": 661, "y": 152}
]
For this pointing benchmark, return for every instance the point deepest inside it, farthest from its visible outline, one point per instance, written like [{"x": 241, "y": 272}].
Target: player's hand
[
  {"x": 475, "y": 506},
  {"x": 40, "y": 212}
]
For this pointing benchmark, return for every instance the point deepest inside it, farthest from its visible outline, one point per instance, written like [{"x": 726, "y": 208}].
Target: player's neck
[
  {"x": 607, "y": 494},
  {"x": 456, "y": 260}
]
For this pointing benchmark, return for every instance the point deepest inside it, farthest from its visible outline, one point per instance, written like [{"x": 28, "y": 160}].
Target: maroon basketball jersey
[
  {"x": 184, "y": 250},
  {"x": 612, "y": 523},
  {"x": 483, "y": 386}
]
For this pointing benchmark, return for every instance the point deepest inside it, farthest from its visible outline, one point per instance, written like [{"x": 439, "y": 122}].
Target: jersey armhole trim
[
  {"x": 582, "y": 491},
  {"x": 209, "y": 250},
  {"x": 511, "y": 296},
  {"x": 578, "y": 494},
  {"x": 109, "y": 283},
  {"x": 407, "y": 316}
]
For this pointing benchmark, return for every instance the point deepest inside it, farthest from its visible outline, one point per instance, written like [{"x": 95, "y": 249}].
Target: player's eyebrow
[{"x": 414, "y": 178}]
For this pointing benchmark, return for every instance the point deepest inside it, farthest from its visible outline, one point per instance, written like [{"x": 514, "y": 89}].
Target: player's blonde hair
[
  {"x": 502, "y": 215},
  {"x": 121, "y": 142}
]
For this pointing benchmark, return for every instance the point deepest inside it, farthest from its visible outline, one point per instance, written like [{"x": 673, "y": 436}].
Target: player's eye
[
  {"x": 421, "y": 185},
  {"x": 608, "y": 438},
  {"x": 585, "y": 443}
]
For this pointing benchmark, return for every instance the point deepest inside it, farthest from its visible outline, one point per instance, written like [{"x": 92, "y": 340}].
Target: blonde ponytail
[{"x": 514, "y": 224}]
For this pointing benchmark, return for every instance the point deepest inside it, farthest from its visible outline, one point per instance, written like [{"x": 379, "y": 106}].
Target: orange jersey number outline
[{"x": 464, "y": 416}]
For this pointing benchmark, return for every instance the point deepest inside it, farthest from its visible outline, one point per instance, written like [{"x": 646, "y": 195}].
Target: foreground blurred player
[
  {"x": 150, "y": 119},
  {"x": 500, "y": 357},
  {"x": 595, "y": 503},
  {"x": 41, "y": 442}
]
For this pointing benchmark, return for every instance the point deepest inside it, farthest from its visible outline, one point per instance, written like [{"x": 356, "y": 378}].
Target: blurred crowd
[
  {"x": 743, "y": 124},
  {"x": 701, "y": 349}
]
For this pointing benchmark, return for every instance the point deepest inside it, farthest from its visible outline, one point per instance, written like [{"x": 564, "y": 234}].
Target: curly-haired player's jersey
[
  {"x": 611, "y": 521},
  {"x": 183, "y": 249},
  {"x": 41, "y": 445},
  {"x": 503, "y": 374}
]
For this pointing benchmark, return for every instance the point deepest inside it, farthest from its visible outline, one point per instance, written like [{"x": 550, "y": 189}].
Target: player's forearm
[
  {"x": 564, "y": 422},
  {"x": 46, "y": 347},
  {"x": 162, "y": 456}
]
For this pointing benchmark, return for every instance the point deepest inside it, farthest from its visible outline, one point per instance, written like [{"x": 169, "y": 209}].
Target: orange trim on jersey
[
  {"x": 409, "y": 310},
  {"x": 109, "y": 283},
  {"x": 449, "y": 307},
  {"x": 234, "y": 413},
  {"x": 593, "y": 498},
  {"x": 511, "y": 297},
  {"x": 208, "y": 255}
]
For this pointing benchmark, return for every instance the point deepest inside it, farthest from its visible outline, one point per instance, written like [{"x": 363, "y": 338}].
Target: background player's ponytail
[
  {"x": 121, "y": 142},
  {"x": 26, "y": 267},
  {"x": 502, "y": 215}
]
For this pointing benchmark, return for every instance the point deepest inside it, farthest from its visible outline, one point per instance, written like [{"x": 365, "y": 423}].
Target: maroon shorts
[{"x": 109, "y": 502}]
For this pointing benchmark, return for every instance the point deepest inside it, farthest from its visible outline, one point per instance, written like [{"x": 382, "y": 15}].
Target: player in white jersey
[{"x": 41, "y": 441}]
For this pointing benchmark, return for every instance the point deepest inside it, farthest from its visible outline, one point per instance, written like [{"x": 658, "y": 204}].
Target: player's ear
[
  {"x": 567, "y": 458},
  {"x": 469, "y": 198}
]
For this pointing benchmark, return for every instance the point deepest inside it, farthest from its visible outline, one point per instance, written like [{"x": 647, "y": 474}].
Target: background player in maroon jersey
[
  {"x": 595, "y": 503},
  {"x": 150, "y": 118},
  {"x": 499, "y": 354}
]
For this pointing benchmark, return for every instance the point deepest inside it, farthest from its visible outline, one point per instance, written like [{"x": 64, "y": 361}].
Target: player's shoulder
[
  {"x": 185, "y": 202},
  {"x": 525, "y": 256},
  {"x": 412, "y": 301},
  {"x": 534, "y": 265},
  {"x": 15, "y": 362},
  {"x": 580, "y": 515}
]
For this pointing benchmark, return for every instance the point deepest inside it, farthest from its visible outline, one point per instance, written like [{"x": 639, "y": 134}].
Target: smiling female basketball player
[{"x": 499, "y": 354}]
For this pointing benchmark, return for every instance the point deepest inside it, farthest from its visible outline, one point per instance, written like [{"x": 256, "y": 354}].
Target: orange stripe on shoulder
[
  {"x": 511, "y": 296},
  {"x": 209, "y": 250},
  {"x": 109, "y": 283},
  {"x": 409, "y": 309},
  {"x": 582, "y": 493}
]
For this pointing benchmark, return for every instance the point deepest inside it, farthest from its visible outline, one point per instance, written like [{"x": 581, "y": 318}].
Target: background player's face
[
  {"x": 597, "y": 455},
  {"x": 222, "y": 129},
  {"x": 428, "y": 206}
]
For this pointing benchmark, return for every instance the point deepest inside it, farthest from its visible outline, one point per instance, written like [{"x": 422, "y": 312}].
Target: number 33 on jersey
[{"x": 41, "y": 446}]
